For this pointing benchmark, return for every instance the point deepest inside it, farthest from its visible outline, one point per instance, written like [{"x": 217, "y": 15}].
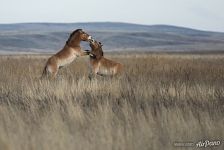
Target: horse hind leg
[
  {"x": 53, "y": 71},
  {"x": 50, "y": 71}
]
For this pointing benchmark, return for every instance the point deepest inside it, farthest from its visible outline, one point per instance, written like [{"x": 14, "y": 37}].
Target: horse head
[
  {"x": 77, "y": 36},
  {"x": 96, "y": 49}
]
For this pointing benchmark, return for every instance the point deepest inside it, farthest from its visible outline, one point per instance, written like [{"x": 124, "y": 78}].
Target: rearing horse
[{"x": 68, "y": 54}]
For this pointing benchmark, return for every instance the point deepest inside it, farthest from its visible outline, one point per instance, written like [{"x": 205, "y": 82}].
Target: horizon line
[{"x": 52, "y": 22}]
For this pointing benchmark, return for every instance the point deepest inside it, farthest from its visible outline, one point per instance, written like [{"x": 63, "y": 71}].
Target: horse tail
[
  {"x": 44, "y": 74},
  {"x": 120, "y": 68}
]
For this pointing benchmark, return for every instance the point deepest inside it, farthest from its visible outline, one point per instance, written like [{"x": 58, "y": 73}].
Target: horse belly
[
  {"x": 67, "y": 61},
  {"x": 106, "y": 71}
]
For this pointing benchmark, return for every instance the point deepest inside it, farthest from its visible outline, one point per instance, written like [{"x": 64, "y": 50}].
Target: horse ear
[{"x": 100, "y": 44}]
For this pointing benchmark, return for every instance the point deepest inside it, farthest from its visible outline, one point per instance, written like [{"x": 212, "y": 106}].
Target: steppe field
[{"x": 161, "y": 102}]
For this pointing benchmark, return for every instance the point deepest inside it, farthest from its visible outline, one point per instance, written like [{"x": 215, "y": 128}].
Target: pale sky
[{"x": 199, "y": 14}]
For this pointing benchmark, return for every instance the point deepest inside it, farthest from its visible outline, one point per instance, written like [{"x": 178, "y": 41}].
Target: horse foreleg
[
  {"x": 92, "y": 74},
  {"x": 84, "y": 53}
]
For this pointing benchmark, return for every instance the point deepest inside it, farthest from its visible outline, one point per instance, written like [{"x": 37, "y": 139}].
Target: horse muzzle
[{"x": 90, "y": 39}]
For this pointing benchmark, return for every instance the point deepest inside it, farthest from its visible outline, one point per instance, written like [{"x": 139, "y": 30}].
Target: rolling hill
[{"x": 50, "y": 37}]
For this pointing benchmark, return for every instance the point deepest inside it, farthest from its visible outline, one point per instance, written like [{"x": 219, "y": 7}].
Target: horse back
[{"x": 114, "y": 66}]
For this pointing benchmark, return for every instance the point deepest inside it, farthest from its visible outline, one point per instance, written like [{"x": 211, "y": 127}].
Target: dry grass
[{"x": 159, "y": 100}]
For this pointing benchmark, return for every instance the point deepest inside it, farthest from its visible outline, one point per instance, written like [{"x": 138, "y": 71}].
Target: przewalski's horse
[
  {"x": 68, "y": 54},
  {"x": 101, "y": 65}
]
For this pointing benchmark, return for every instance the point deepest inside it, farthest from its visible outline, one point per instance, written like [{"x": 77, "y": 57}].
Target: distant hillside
[{"x": 51, "y": 37}]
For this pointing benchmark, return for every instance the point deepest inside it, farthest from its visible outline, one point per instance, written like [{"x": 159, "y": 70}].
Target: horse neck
[
  {"x": 95, "y": 60},
  {"x": 74, "y": 42},
  {"x": 99, "y": 58}
]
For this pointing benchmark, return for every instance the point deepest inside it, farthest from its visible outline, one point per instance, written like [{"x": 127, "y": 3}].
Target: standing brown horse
[
  {"x": 68, "y": 54},
  {"x": 101, "y": 65}
]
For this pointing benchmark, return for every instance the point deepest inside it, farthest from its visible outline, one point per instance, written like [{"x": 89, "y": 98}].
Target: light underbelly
[
  {"x": 67, "y": 61},
  {"x": 105, "y": 71}
]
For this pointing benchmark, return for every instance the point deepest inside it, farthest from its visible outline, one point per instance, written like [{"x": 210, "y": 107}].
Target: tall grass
[{"x": 159, "y": 100}]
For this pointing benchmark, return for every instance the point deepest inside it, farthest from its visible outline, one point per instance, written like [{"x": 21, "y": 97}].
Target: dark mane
[
  {"x": 100, "y": 49},
  {"x": 102, "y": 52},
  {"x": 72, "y": 34}
]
